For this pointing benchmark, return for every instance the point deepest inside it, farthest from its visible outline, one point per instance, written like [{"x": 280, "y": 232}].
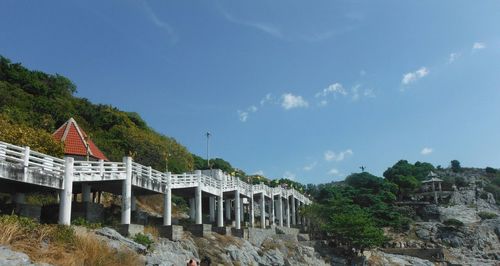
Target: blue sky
[{"x": 299, "y": 89}]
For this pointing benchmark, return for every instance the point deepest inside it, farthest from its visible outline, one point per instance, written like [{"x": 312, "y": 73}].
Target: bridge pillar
[
  {"x": 298, "y": 212},
  {"x": 287, "y": 206},
  {"x": 237, "y": 206},
  {"x": 86, "y": 193},
  {"x": 26, "y": 160},
  {"x": 198, "y": 199},
  {"x": 252, "y": 213},
  {"x": 66, "y": 193},
  {"x": 127, "y": 191},
  {"x": 262, "y": 210},
  {"x": 280, "y": 210},
  {"x": 211, "y": 207},
  {"x": 294, "y": 216},
  {"x": 242, "y": 211},
  {"x": 228, "y": 209},
  {"x": 167, "y": 202},
  {"x": 271, "y": 216},
  {"x": 220, "y": 210}
]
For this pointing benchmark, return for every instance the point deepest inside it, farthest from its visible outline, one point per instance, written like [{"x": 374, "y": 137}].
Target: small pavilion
[
  {"x": 77, "y": 143},
  {"x": 431, "y": 183}
]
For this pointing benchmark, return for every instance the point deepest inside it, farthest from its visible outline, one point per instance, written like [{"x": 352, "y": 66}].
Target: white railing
[{"x": 143, "y": 176}]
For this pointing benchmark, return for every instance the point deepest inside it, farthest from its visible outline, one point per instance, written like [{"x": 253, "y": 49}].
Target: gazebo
[{"x": 431, "y": 182}]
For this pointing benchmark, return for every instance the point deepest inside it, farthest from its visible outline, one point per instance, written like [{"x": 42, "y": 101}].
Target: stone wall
[
  {"x": 257, "y": 235},
  {"x": 286, "y": 230}
]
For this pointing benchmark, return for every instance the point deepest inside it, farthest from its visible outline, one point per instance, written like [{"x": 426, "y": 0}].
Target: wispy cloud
[
  {"x": 267, "y": 28},
  {"x": 310, "y": 166},
  {"x": 453, "y": 57},
  {"x": 290, "y": 101},
  {"x": 166, "y": 27},
  {"x": 334, "y": 172},
  {"x": 411, "y": 77},
  {"x": 478, "y": 46},
  {"x": 259, "y": 172},
  {"x": 337, "y": 157},
  {"x": 289, "y": 175},
  {"x": 426, "y": 151},
  {"x": 243, "y": 115},
  {"x": 335, "y": 89},
  {"x": 266, "y": 99}
]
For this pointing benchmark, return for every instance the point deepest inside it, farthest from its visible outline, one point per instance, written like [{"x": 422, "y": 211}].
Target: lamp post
[{"x": 208, "y": 159}]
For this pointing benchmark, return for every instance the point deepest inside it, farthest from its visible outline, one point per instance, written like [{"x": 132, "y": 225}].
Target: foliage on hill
[
  {"x": 23, "y": 135},
  {"x": 44, "y": 102},
  {"x": 407, "y": 176}
]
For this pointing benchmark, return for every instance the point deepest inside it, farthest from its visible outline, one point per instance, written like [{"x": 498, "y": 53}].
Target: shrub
[
  {"x": 80, "y": 221},
  {"x": 143, "y": 240},
  {"x": 491, "y": 170},
  {"x": 41, "y": 199},
  {"x": 37, "y": 139},
  {"x": 453, "y": 222},
  {"x": 487, "y": 215}
]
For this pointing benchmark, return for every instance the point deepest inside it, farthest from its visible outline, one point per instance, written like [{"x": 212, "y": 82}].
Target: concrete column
[
  {"x": 198, "y": 199},
  {"x": 228, "y": 209},
  {"x": 192, "y": 209},
  {"x": 86, "y": 193},
  {"x": 252, "y": 212},
  {"x": 262, "y": 210},
  {"x": 242, "y": 211},
  {"x": 127, "y": 191},
  {"x": 298, "y": 212},
  {"x": 280, "y": 211},
  {"x": 66, "y": 193},
  {"x": 211, "y": 207},
  {"x": 237, "y": 206},
  {"x": 287, "y": 206},
  {"x": 26, "y": 160},
  {"x": 220, "y": 212},
  {"x": 272, "y": 218},
  {"x": 167, "y": 202},
  {"x": 294, "y": 217}
]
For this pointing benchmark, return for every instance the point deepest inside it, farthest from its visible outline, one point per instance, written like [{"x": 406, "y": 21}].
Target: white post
[
  {"x": 167, "y": 202},
  {"x": 262, "y": 210},
  {"x": 211, "y": 208},
  {"x": 26, "y": 161},
  {"x": 242, "y": 211},
  {"x": 252, "y": 213},
  {"x": 298, "y": 212},
  {"x": 66, "y": 193},
  {"x": 127, "y": 191},
  {"x": 287, "y": 205},
  {"x": 280, "y": 210},
  {"x": 86, "y": 193},
  {"x": 220, "y": 210},
  {"x": 198, "y": 198},
  {"x": 237, "y": 207},
  {"x": 294, "y": 217},
  {"x": 101, "y": 167},
  {"x": 272, "y": 218}
]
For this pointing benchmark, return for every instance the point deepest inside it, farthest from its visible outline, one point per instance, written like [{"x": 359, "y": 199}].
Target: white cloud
[
  {"x": 335, "y": 89},
  {"x": 337, "y": 157},
  {"x": 311, "y": 166},
  {"x": 322, "y": 103},
  {"x": 478, "y": 46},
  {"x": 259, "y": 172},
  {"x": 289, "y": 175},
  {"x": 426, "y": 151},
  {"x": 266, "y": 99},
  {"x": 333, "y": 172},
  {"x": 369, "y": 93},
  {"x": 290, "y": 101},
  {"x": 160, "y": 23},
  {"x": 414, "y": 76},
  {"x": 453, "y": 57},
  {"x": 261, "y": 26},
  {"x": 243, "y": 116},
  {"x": 252, "y": 109}
]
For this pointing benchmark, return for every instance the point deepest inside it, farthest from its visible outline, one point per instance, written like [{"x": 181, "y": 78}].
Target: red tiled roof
[{"x": 75, "y": 141}]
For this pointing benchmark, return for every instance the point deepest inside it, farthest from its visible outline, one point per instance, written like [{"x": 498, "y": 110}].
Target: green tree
[{"x": 455, "y": 166}]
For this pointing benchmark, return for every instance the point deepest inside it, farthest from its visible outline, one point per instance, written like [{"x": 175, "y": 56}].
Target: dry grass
[{"x": 58, "y": 245}]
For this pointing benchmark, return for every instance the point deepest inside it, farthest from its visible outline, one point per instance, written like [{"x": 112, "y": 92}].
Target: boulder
[{"x": 117, "y": 241}]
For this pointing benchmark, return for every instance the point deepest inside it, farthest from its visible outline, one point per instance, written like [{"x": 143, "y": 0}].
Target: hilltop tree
[{"x": 455, "y": 166}]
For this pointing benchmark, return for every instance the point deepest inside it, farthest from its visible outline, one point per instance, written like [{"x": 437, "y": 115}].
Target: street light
[{"x": 208, "y": 159}]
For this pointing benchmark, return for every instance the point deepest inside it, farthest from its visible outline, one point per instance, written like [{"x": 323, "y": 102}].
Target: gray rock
[
  {"x": 170, "y": 253},
  {"x": 9, "y": 257},
  {"x": 117, "y": 241},
  {"x": 273, "y": 257}
]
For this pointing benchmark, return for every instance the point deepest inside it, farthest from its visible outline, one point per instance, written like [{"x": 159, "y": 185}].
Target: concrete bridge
[{"x": 23, "y": 170}]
